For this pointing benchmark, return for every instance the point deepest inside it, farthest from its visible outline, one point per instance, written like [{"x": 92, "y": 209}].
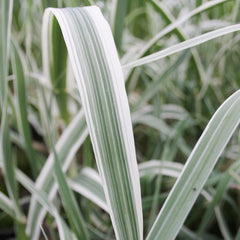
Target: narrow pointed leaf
[
  {"x": 169, "y": 18},
  {"x": 5, "y": 143},
  {"x": 221, "y": 188},
  {"x": 5, "y": 26},
  {"x": 66, "y": 147},
  {"x": 21, "y": 108},
  {"x": 101, "y": 85},
  {"x": 169, "y": 28},
  {"x": 64, "y": 232},
  {"x": 151, "y": 167},
  {"x": 69, "y": 202},
  {"x": 184, "y": 45},
  {"x": 6, "y": 205},
  {"x": 118, "y": 22},
  {"x": 88, "y": 184},
  {"x": 197, "y": 169},
  {"x": 55, "y": 67}
]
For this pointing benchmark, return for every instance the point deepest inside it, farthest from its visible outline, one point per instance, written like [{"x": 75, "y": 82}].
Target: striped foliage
[
  {"x": 197, "y": 169},
  {"x": 100, "y": 82},
  {"x": 6, "y": 157},
  {"x": 66, "y": 147},
  {"x": 92, "y": 187}
]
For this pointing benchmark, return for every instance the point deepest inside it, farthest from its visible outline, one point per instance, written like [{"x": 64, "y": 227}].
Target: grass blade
[
  {"x": 66, "y": 147},
  {"x": 160, "y": 7},
  {"x": 101, "y": 85},
  {"x": 6, "y": 205},
  {"x": 8, "y": 163},
  {"x": 206, "y": 6},
  {"x": 21, "y": 108},
  {"x": 88, "y": 184},
  {"x": 64, "y": 232},
  {"x": 222, "y": 224},
  {"x": 55, "y": 67},
  {"x": 171, "y": 169},
  {"x": 197, "y": 169},
  {"x": 5, "y": 23},
  {"x": 5, "y": 143},
  {"x": 184, "y": 45},
  {"x": 70, "y": 204},
  {"x": 154, "y": 87},
  {"x": 221, "y": 188},
  {"x": 238, "y": 234},
  {"x": 118, "y": 24}
]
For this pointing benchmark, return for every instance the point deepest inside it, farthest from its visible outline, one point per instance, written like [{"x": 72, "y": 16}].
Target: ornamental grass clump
[{"x": 68, "y": 122}]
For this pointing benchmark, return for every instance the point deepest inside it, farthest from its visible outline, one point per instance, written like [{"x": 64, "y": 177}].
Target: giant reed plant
[{"x": 78, "y": 43}]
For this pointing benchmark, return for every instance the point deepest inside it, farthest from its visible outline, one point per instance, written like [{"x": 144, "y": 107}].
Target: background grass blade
[
  {"x": 160, "y": 167},
  {"x": 154, "y": 87},
  {"x": 55, "y": 67},
  {"x": 100, "y": 81},
  {"x": 5, "y": 17},
  {"x": 197, "y": 169},
  {"x": 88, "y": 184},
  {"x": 6, "y": 205},
  {"x": 9, "y": 164},
  {"x": 64, "y": 232},
  {"x": 184, "y": 45},
  {"x": 168, "y": 17},
  {"x": 202, "y": 8},
  {"x": 66, "y": 147},
  {"x": 22, "y": 115},
  {"x": 5, "y": 144},
  {"x": 221, "y": 188},
  {"x": 69, "y": 201},
  {"x": 118, "y": 23}
]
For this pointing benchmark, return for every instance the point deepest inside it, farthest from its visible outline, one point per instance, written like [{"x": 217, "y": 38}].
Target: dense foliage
[{"x": 174, "y": 87}]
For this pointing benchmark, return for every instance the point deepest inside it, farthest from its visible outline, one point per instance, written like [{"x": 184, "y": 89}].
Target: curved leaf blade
[
  {"x": 197, "y": 169},
  {"x": 184, "y": 45},
  {"x": 66, "y": 147},
  {"x": 101, "y": 85}
]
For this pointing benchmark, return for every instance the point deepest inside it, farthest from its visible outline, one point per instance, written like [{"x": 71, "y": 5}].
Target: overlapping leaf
[
  {"x": 100, "y": 82},
  {"x": 197, "y": 169}
]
